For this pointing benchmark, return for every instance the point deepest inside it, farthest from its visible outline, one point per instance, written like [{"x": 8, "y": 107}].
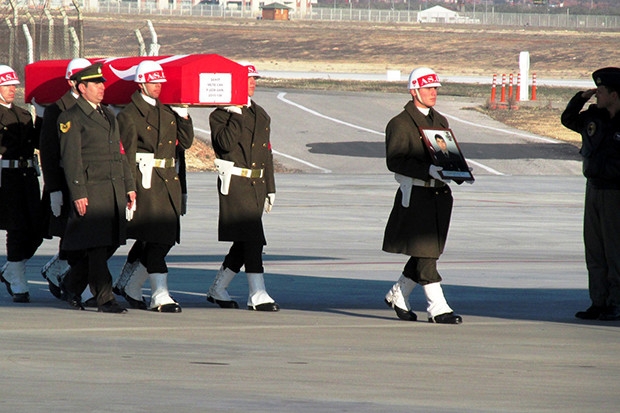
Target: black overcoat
[
  {"x": 96, "y": 168},
  {"x": 244, "y": 140},
  {"x": 421, "y": 229},
  {"x": 53, "y": 173},
  {"x": 20, "y": 198},
  {"x": 158, "y": 130}
]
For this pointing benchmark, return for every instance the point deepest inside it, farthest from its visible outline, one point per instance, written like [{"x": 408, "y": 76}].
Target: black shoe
[
  {"x": 113, "y": 307},
  {"x": 592, "y": 313},
  {"x": 7, "y": 284},
  {"x": 406, "y": 315},
  {"x": 91, "y": 302},
  {"x": 135, "y": 304},
  {"x": 74, "y": 300},
  {"x": 447, "y": 318},
  {"x": 55, "y": 289},
  {"x": 612, "y": 313},
  {"x": 21, "y": 297},
  {"x": 167, "y": 308},
  {"x": 265, "y": 307},
  {"x": 223, "y": 304}
]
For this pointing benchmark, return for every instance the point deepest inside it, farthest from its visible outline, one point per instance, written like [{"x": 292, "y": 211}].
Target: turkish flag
[{"x": 194, "y": 80}]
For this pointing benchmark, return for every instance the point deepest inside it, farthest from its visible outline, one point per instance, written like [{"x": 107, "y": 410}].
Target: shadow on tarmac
[
  {"x": 480, "y": 151},
  {"x": 346, "y": 296}
]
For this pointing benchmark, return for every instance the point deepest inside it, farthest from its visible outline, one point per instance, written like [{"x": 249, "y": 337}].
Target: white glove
[
  {"x": 271, "y": 198},
  {"x": 184, "y": 204},
  {"x": 39, "y": 110},
  {"x": 129, "y": 211},
  {"x": 433, "y": 171},
  {"x": 180, "y": 110},
  {"x": 233, "y": 109},
  {"x": 56, "y": 202}
]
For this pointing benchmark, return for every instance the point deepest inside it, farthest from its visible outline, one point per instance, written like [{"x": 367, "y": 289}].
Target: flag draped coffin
[{"x": 195, "y": 80}]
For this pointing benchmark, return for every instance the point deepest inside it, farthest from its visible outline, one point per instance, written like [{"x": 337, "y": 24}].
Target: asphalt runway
[{"x": 513, "y": 268}]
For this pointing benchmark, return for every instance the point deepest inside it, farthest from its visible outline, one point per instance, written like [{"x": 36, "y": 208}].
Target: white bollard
[
  {"x": 393, "y": 75},
  {"x": 524, "y": 69}
]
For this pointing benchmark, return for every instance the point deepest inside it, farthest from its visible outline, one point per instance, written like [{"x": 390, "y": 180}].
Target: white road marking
[{"x": 313, "y": 112}]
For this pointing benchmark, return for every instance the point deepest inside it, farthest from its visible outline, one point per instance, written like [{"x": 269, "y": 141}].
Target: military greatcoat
[
  {"x": 421, "y": 229},
  {"x": 95, "y": 168},
  {"x": 53, "y": 174},
  {"x": 158, "y": 130},
  {"x": 20, "y": 199},
  {"x": 243, "y": 139}
]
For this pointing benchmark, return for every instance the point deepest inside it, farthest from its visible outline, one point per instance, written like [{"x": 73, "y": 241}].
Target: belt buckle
[
  {"x": 246, "y": 173},
  {"x": 22, "y": 163}
]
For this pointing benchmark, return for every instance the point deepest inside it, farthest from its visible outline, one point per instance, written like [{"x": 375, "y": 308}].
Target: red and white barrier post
[
  {"x": 533, "y": 86},
  {"x": 493, "y": 91}
]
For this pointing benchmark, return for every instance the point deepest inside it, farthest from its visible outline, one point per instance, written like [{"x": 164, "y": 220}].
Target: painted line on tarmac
[
  {"x": 320, "y": 115},
  {"x": 509, "y": 132},
  {"x": 311, "y": 165}
]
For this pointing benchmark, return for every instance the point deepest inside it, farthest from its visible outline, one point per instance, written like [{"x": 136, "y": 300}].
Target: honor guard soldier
[
  {"x": 56, "y": 200},
  {"x": 20, "y": 202},
  {"x": 246, "y": 184},
  {"x": 101, "y": 188},
  {"x": 599, "y": 126},
  {"x": 419, "y": 221},
  {"x": 151, "y": 133}
]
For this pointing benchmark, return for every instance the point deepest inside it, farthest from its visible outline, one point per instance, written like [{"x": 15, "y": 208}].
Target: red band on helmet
[
  {"x": 7, "y": 77},
  {"x": 152, "y": 76},
  {"x": 424, "y": 80}
]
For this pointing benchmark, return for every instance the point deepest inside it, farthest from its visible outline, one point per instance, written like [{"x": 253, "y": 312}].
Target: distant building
[{"x": 275, "y": 11}]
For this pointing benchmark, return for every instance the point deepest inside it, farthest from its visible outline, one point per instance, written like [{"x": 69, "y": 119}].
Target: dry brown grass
[{"x": 369, "y": 47}]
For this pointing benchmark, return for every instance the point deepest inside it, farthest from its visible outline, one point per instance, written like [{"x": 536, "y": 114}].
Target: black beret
[
  {"x": 90, "y": 73},
  {"x": 607, "y": 76}
]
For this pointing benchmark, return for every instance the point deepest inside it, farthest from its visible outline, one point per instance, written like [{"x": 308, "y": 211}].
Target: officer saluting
[
  {"x": 20, "y": 211},
  {"x": 599, "y": 126},
  {"x": 101, "y": 187}
]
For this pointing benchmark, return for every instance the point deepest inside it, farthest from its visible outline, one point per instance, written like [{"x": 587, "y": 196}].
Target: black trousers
[
  {"x": 249, "y": 254},
  {"x": 21, "y": 244},
  {"x": 422, "y": 270},
  {"x": 151, "y": 254},
  {"x": 90, "y": 268}
]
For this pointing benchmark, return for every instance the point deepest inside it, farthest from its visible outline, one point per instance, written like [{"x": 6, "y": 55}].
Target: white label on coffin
[{"x": 215, "y": 87}]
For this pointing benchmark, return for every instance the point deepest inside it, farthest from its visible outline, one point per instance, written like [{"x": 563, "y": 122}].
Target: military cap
[
  {"x": 90, "y": 73},
  {"x": 607, "y": 76}
]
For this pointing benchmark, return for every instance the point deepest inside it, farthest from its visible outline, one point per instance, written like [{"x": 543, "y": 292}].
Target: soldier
[
  {"x": 599, "y": 126},
  {"x": 101, "y": 188},
  {"x": 20, "y": 203},
  {"x": 419, "y": 221},
  {"x": 240, "y": 137},
  {"x": 56, "y": 199},
  {"x": 150, "y": 132}
]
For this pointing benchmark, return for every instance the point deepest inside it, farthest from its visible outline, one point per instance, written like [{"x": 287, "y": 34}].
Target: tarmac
[{"x": 513, "y": 268}]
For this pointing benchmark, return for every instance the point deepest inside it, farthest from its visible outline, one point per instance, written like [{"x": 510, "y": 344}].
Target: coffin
[{"x": 194, "y": 80}]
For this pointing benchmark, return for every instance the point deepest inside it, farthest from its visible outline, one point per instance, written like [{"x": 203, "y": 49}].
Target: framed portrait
[{"x": 445, "y": 151}]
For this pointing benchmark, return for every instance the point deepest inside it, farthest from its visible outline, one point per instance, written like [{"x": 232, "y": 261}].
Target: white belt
[
  {"x": 17, "y": 163},
  {"x": 246, "y": 173},
  {"x": 431, "y": 183}
]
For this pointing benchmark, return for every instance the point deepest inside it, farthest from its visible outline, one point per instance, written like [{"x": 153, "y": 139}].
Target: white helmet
[
  {"x": 8, "y": 76},
  {"x": 75, "y": 66},
  {"x": 252, "y": 72},
  {"x": 423, "y": 77},
  {"x": 149, "y": 71}
]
